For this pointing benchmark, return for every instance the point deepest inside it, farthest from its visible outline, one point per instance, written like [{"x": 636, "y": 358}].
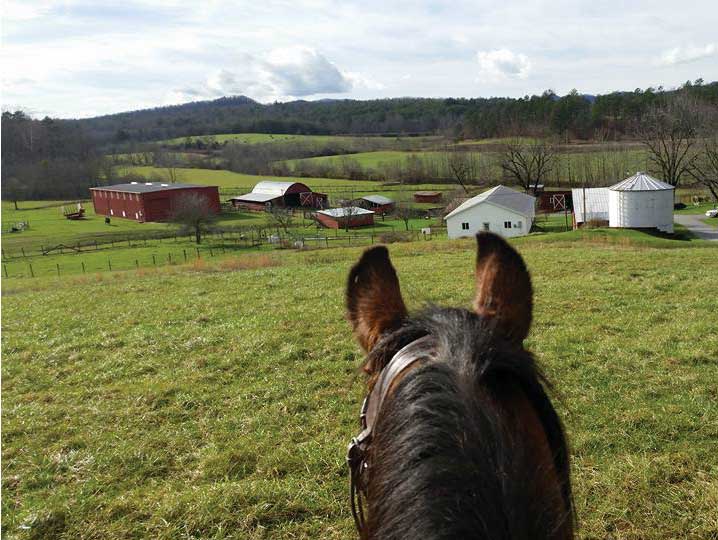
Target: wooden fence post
[
  {"x": 109, "y": 264},
  {"x": 4, "y": 266},
  {"x": 32, "y": 274},
  {"x": 137, "y": 263},
  {"x": 154, "y": 261},
  {"x": 184, "y": 252},
  {"x": 58, "y": 269},
  {"x": 83, "y": 266}
]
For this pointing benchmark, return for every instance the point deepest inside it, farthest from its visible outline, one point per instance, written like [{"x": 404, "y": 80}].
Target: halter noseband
[{"x": 419, "y": 349}]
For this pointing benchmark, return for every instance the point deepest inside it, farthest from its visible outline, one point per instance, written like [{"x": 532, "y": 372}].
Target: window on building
[
  {"x": 465, "y": 226},
  {"x": 519, "y": 225},
  {"x": 487, "y": 226},
  {"x": 507, "y": 224}
]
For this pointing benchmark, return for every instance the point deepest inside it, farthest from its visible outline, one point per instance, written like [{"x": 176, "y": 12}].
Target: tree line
[{"x": 603, "y": 117}]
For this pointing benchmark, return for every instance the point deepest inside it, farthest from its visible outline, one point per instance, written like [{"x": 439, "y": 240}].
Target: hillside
[
  {"x": 216, "y": 401},
  {"x": 576, "y": 114}
]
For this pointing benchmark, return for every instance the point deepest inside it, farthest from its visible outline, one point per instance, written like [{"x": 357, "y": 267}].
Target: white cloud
[
  {"x": 361, "y": 81},
  {"x": 289, "y": 72},
  {"x": 683, "y": 55},
  {"x": 503, "y": 64},
  {"x": 301, "y": 71}
]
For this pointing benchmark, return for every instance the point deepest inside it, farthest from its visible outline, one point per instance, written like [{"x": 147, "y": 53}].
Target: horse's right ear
[
  {"x": 373, "y": 297},
  {"x": 503, "y": 287}
]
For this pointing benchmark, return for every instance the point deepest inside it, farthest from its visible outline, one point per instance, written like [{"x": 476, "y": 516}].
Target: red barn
[
  {"x": 147, "y": 201},
  {"x": 336, "y": 218},
  {"x": 377, "y": 203},
  {"x": 427, "y": 196},
  {"x": 268, "y": 193}
]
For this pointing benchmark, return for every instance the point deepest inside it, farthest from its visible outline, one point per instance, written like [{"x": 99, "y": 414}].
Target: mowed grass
[
  {"x": 49, "y": 228},
  {"x": 216, "y": 400},
  {"x": 231, "y": 183},
  {"x": 263, "y": 138}
]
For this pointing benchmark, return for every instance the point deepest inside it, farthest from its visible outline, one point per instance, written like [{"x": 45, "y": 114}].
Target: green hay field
[
  {"x": 215, "y": 400},
  {"x": 263, "y": 138}
]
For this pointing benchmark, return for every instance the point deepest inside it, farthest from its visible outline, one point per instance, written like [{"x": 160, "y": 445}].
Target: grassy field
[
  {"x": 49, "y": 228},
  {"x": 181, "y": 403},
  {"x": 263, "y": 138},
  {"x": 231, "y": 182}
]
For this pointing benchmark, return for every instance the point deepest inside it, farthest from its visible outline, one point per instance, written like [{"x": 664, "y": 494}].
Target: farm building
[
  {"x": 554, "y": 201},
  {"x": 268, "y": 193},
  {"x": 377, "y": 203},
  {"x": 427, "y": 196},
  {"x": 147, "y": 201},
  {"x": 639, "y": 202},
  {"x": 501, "y": 210},
  {"x": 336, "y": 218},
  {"x": 595, "y": 206}
]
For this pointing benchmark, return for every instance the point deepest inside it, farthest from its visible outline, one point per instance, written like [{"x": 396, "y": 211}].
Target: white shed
[
  {"x": 641, "y": 202},
  {"x": 594, "y": 201},
  {"x": 501, "y": 210}
]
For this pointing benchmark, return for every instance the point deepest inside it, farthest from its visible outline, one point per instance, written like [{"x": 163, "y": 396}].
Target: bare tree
[
  {"x": 194, "y": 213},
  {"x": 280, "y": 217},
  {"x": 705, "y": 166},
  {"x": 348, "y": 204},
  {"x": 528, "y": 164},
  {"x": 14, "y": 190},
  {"x": 169, "y": 162},
  {"x": 669, "y": 133},
  {"x": 463, "y": 166}
]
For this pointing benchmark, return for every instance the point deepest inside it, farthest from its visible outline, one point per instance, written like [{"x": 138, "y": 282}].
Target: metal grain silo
[{"x": 641, "y": 202}]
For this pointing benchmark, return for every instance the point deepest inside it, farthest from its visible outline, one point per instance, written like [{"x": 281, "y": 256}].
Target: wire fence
[{"x": 167, "y": 254}]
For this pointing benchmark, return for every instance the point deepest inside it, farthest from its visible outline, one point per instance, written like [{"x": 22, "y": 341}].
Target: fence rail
[{"x": 30, "y": 268}]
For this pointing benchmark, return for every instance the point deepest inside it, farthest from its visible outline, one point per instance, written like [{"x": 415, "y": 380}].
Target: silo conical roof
[{"x": 641, "y": 182}]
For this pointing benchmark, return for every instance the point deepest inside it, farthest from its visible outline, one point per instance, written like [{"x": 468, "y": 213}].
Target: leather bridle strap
[{"x": 420, "y": 349}]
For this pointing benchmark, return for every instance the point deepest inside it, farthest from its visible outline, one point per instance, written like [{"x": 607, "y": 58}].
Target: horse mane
[{"x": 441, "y": 462}]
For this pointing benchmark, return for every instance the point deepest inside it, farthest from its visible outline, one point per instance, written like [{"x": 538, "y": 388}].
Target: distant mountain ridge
[{"x": 579, "y": 114}]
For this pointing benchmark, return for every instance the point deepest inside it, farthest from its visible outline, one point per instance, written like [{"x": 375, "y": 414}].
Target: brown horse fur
[{"x": 467, "y": 445}]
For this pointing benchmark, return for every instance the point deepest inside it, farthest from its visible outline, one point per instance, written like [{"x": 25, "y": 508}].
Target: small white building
[
  {"x": 501, "y": 210},
  {"x": 639, "y": 202},
  {"x": 592, "y": 201}
]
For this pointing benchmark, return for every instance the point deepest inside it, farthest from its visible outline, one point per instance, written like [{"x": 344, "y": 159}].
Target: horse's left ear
[
  {"x": 503, "y": 287},
  {"x": 373, "y": 297}
]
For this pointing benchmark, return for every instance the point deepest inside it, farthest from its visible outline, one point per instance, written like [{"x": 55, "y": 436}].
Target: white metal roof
[
  {"x": 343, "y": 212},
  {"x": 378, "y": 199},
  {"x": 256, "y": 197},
  {"x": 500, "y": 196},
  {"x": 641, "y": 182},
  {"x": 271, "y": 187},
  {"x": 596, "y": 204}
]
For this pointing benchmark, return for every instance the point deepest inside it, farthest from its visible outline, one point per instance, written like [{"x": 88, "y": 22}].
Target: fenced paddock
[{"x": 173, "y": 250}]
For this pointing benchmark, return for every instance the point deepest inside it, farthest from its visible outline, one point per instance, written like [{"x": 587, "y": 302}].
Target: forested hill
[{"x": 574, "y": 115}]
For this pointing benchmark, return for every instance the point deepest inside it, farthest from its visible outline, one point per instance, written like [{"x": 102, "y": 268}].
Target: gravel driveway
[{"x": 697, "y": 227}]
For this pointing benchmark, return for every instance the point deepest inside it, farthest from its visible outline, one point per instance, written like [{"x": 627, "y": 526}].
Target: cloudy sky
[{"x": 78, "y": 58}]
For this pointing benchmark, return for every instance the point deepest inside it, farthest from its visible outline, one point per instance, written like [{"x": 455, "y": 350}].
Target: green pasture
[
  {"x": 48, "y": 227},
  {"x": 263, "y": 138},
  {"x": 247, "y": 233},
  {"x": 216, "y": 399},
  {"x": 231, "y": 184}
]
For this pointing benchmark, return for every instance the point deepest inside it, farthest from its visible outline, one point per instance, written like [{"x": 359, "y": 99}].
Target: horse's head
[
  {"x": 375, "y": 307},
  {"x": 457, "y": 410}
]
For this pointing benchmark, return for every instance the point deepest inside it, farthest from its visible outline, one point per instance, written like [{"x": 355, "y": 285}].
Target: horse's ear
[
  {"x": 503, "y": 287},
  {"x": 374, "y": 303}
]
